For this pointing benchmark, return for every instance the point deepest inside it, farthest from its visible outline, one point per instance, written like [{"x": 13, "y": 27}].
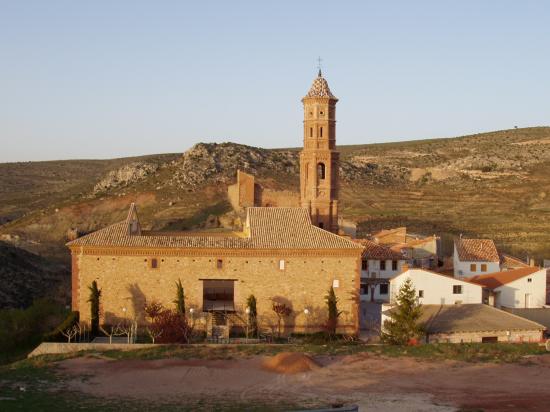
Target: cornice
[{"x": 143, "y": 251}]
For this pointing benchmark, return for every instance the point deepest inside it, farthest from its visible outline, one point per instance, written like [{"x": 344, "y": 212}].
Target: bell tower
[{"x": 319, "y": 159}]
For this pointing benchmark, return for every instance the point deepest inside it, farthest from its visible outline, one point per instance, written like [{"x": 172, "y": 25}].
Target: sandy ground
[{"x": 375, "y": 383}]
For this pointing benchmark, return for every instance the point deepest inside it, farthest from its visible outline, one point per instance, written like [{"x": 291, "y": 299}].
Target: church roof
[
  {"x": 266, "y": 228},
  {"x": 319, "y": 88}
]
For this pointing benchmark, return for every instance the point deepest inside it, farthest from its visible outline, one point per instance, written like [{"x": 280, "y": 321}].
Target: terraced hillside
[{"x": 493, "y": 185}]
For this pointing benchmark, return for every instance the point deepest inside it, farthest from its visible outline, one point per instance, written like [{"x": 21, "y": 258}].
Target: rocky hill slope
[{"x": 492, "y": 185}]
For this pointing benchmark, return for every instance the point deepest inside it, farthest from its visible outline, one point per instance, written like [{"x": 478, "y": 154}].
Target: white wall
[
  {"x": 512, "y": 295},
  {"x": 463, "y": 269},
  {"x": 437, "y": 289},
  {"x": 375, "y": 272}
]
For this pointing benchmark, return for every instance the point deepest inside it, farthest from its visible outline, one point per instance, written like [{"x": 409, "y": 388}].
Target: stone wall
[
  {"x": 466, "y": 337},
  {"x": 127, "y": 282}
]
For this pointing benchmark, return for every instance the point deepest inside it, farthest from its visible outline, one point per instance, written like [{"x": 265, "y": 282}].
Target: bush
[
  {"x": 22, "y": 329},
  {"x": 56, "y": 335}
]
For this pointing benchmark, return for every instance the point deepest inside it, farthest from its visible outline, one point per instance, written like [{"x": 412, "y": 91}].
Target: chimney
[
  {"x": 532, "y": 262},
  {"x": 404, "y": 267}
]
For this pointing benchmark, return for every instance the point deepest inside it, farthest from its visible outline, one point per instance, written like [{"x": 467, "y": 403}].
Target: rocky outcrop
[{"x": 125, "y": 175}]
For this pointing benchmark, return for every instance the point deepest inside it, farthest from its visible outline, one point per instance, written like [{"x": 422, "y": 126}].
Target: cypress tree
[
  {"x": 333, "y": 313},
  {"x": 180, "y": 298},
  {"x": 252, "y": 315},
  {"x": 95, "y": 295}
]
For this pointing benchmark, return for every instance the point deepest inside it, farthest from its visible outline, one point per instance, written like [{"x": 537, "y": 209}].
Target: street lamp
[{"x": 306, "y": 312}]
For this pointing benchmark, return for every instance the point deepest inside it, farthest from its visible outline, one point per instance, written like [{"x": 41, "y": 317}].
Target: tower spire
[{"x": 319, "y": 60}]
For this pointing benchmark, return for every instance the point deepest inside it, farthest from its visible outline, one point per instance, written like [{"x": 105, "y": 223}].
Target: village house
[
  {"x": 516, "y": 288},
  {"x": 378, "y": 265},
  {"x": 475, "y": 256},
  {"x": 283, "y": 255},
  {"x": 434, "y": 288}
]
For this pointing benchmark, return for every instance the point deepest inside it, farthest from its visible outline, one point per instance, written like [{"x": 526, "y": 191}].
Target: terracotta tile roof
[
  {"x": 390, "y": 236},
  {"x": 510, "y": 262},
  {"x": 320, "y": 88},
  {"x": 472, "y": 318},
  {"x": 494, "y": 280},
  {"x": 375, "y": 251},
  {"x": 476, "y": 250},
  {"x": 267, "y": 228}
]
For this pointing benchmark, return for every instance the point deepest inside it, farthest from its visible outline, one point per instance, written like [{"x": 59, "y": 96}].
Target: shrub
[
  {"x": 282, "y": 311},
  {"x": 171, "y": 327},
  {"x": 56, "y": 335},
  {"x": 403, "y": 326}
]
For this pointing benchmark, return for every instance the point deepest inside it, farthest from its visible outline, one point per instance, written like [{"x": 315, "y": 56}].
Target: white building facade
[{"x": 436, "y": 289}]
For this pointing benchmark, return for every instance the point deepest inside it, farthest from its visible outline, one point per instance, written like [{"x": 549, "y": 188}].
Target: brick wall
[{"x": 128, "y": 281}]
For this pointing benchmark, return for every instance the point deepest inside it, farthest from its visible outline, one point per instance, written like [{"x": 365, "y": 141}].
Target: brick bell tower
[{"x": 319, "y": 159}]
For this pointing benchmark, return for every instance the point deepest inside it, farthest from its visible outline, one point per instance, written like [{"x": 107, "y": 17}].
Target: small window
[
  {"x": 384, "y": 289},
  {"x": 281, "y": 264},
  {"x": 457, "y": 289},
  {"x": 154, "y": 263},
  {"x": 364, "y": 264},
  {"x": 321, "y": 171},
  {"x": 321, "y": 113},
  {"x": 321, "y": 225},
  {"x": 394, "y": 265},
  {"x": 335, "y": 283},
  {"x": 484, "y": 267},
  {"x": 489, "y": 339},
  {"x": 472, "y": 267},
  {"x": 529, "y": 280},
  {"x": 320, "y": 132},
  {"x": 382, "y": 265},
  {"x": 420, "y": 293},
  {"x": 311, "y": 132},
  {"x": 219, "y": 263}
]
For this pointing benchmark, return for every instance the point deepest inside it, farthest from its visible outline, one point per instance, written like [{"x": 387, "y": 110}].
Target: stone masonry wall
[
  {"x": 128, "y": 281},
  {"x": 467, "y": 337}
]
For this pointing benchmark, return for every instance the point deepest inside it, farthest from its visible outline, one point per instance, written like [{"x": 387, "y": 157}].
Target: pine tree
[
  {"x": 333, "y": 313},
  {"x": 252, "y": 315},
  {"x": 95, "y": 295},
  {"x": 403, "y": 323},
  {"x": 180, "y": 299}
]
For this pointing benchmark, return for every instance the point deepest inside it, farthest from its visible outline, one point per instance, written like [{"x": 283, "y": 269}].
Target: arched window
[
  {"x": 320, "y": 132},
  {"x": 321, "y": 171}
]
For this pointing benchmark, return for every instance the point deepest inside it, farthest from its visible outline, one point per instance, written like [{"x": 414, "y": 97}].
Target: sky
[{"x": 104, "y": 79}]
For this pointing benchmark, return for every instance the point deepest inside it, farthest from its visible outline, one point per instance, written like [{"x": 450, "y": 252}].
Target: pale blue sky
[{"x": 101, "y": 79}]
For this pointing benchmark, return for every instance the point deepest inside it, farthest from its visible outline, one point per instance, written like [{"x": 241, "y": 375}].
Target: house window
[
  {"x": 529, "y": 280},
  {"x": 364, "y": 264},
  {"x": 457, "y": 289},
  {"x": 382, "y": 265},
  {"x": 420, "y": 293},
  {"x": 154, "y": 263},
  {"x": 472, "y": 267},
  {"x": 219, "y": 263},
  {"x": 321, "y": 171},
  {"x": 484, "y": 267},
  {"x": 394, "y": 265},
  {"x": 320, "y": 132},
  {"x": 281, "y": 265},
  {"x": 384, "y": 289}
]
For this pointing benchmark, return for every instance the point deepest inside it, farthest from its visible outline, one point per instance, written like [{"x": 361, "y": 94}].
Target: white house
[
  {"x": 517, "y": 288},
  {"x": 473, "y": 257},
  {"x": 436, "y": 289},
  {"x": 379, "y": 264}
]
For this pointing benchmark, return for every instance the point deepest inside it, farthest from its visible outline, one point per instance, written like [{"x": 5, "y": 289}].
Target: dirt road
[{"x": 375, "y": 383}]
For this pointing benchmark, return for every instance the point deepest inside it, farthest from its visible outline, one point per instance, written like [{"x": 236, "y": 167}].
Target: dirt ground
[{"x": 375, "y": 383}]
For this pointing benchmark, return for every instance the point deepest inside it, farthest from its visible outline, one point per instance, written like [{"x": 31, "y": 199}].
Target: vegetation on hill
[{"x": 494, "y": 185}]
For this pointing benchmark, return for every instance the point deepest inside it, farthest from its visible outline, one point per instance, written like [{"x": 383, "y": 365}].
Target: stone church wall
[{"x": 127, "y": 282}]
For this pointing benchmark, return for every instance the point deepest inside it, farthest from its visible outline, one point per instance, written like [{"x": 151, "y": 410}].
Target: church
[{"x": 282, "y": 255}]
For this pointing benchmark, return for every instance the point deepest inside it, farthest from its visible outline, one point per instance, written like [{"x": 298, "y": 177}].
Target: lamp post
[
  {"x": 247, "y": 311},
  {"x": 306, "y": 312}
]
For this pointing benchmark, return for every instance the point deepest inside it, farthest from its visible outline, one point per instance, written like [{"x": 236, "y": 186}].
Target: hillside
[{"x": 493, "y": 185}]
